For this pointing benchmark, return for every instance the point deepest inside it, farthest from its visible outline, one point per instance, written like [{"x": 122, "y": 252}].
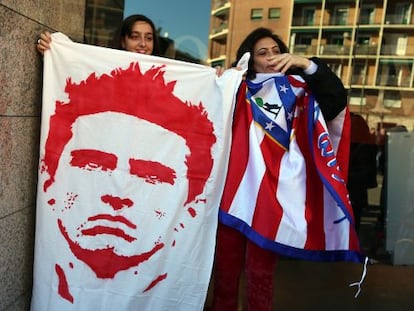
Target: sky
[{"x": 185, "y": 21}]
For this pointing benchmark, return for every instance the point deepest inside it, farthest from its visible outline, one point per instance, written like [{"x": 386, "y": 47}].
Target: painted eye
[
  {"x": 152, "y": 172},
  {"x": 93, "y": 160}
]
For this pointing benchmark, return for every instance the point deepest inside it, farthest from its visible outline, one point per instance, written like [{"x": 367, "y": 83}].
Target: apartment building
[
  {"x": 232, "y": 20},
  {"x": 368, "y": 43}
]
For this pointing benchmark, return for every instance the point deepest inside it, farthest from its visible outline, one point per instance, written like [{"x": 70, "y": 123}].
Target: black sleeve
[{"x": 327, "y": 89}]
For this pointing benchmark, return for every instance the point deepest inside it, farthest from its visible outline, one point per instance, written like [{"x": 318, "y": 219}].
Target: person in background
[
  {"x": 268, "y": 54},
  {"x": 137, "y": 34},
  {"x": 362, "y": 170}
]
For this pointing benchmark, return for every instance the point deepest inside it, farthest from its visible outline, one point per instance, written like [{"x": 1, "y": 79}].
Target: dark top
[{"x": 327, "y": 88}]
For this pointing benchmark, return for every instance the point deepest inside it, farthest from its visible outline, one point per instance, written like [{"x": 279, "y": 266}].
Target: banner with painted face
[{"x": 133, "y": 158}]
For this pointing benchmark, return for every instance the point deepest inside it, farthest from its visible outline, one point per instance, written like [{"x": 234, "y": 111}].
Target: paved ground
[
  {"x": 303, "y": 286},
  {"x": 324, "y": 286}
]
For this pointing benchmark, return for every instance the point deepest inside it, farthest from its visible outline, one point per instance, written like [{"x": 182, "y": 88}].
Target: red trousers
[{"x": 234, "y": 250}]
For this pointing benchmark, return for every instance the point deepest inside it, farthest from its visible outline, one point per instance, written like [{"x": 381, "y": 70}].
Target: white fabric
[{"x": 183, "y": 265}]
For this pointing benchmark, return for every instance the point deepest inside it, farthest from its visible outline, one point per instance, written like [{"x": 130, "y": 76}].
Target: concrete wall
[{"x": 20, "y": 108}]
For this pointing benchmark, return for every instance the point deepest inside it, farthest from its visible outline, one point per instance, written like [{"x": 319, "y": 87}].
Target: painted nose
[{"x": 116, "y": 203}]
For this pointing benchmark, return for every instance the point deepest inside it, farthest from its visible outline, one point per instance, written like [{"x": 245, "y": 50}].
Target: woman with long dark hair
[
  {"x": 136, "y": 34},
  {"x": 234, "y": 251}
]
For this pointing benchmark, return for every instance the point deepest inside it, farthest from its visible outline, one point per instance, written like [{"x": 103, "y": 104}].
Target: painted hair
[{"x": 136, "y": 92}]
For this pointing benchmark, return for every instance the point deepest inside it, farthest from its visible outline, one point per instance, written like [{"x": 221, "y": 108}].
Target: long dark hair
[
  {"x": 126, "y": 30},
  {"x": 248, "y": 46}
]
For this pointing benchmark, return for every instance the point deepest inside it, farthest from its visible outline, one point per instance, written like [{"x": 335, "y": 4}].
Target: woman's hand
[
  {"x": 283, "y": 62},
  {"x": 43, "y": 43},
  {"x": 220, "y": 70}
]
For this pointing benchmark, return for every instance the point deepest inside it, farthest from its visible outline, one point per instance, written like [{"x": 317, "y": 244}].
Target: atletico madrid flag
[{"x": 286, "y": 183}]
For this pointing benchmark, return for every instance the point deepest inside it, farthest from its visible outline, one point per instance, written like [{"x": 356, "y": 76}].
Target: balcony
[
  {"x": 358, "y": 79},
  {"x": 218, "y": 61},
  {"x": 304, "y": 49},
  {"x": 302, "y": 21},
  {"x": 398, "y": 19},
  {"x": 365, "y": 49},
  {"x": 395, "y": 72},
  {"x": 220, "y": 33},
  {"x": 392, "y": 80},
  {"x": 221, "y": 9},
  {"x": 334, "y": 49},
  {"x": 396, "y": 50}
]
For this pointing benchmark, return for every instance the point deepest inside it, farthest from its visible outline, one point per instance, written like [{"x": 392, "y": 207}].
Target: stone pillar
[{"x": 20, "y": 106}]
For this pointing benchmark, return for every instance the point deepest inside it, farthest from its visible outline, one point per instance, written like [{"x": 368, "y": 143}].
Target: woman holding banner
[
  {"x": 137, "y": 34},
  {"x": 235, "y": 247}
]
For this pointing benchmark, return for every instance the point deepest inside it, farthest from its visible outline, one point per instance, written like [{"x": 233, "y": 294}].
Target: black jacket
[{"x": 327, "y": 88}]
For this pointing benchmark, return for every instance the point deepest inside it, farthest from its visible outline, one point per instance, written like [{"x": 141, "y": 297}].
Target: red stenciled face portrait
[
  {"x": 104, "y": 216},
  {"x": 119, "y": 165}
]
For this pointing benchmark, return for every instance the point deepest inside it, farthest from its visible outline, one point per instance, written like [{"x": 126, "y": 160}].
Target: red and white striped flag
[
  {"x": 133, "y": 157},
  {"x": 286, "y": 183}
]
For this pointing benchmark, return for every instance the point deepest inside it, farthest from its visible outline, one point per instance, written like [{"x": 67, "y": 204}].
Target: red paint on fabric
[
  {"x": 156, "y": 281},
  {"x": 63, "y": 288},
  {"x": 51, "y": 202},
  {"x": 117, "y": 218},
  {"x": 108, "y": 230},
  {"x": 143, "y": 95},
  {"x": 91, "y": 159},
  {"x": 116, "y": 202},
  {"x": 105, "y": 262},
  {"x": 152, "y": 172},
  {"x": 159, "y": 214},
  {"x": 70, "y": 200},
  {"x": 192, "y": 212}
]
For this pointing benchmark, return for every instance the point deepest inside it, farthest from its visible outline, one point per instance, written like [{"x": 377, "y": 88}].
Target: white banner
[{"x": 133, "y": 158}]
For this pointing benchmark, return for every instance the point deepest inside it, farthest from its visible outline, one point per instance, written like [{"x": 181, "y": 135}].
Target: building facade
[
  {"x": 368, "y": 44},
  {"x": 232, "y": 20}
]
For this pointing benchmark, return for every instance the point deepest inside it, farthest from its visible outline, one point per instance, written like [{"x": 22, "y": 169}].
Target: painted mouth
[
  {"x": 104, "y": 229},
  {"x": 108, "y": 230},
  {"x": 117, "y": 218}
]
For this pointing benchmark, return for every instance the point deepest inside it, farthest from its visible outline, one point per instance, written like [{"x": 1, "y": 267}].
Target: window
[
  {"x": 403, "y": 13},
  {"x": 357, "y": 98},
  {"x": 401, "y": 45},
  {"x": 274, "y": 13},
  {"x": 367, "y": 14},
  {"x": 392, "y": 99},
  {"x": 256, "y": 14},
  {"x": 360, "y": 71},
  {"x": 341, "y": 15},
  {"x": 394, "y": 72},
  {"x": 308, "y": 16},
  {"x": 305, "y": 39}
]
